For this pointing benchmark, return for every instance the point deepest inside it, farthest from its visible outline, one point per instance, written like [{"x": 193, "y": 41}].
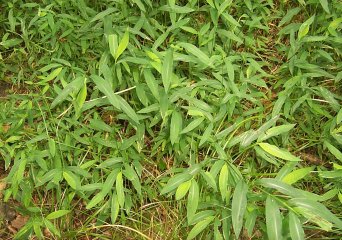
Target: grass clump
[{"x": 171, "y": 119}]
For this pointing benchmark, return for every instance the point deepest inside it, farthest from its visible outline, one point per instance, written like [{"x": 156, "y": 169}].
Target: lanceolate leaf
[
  {"x": 223, "y": 181},
  {"x": 122, "y": 45},
  {"x": 116, "y": 100},
  {"x": 199, "y": 227},
  {"x": 277, "y": 152},
  {"x": 175, "y": 127},
  {"x": 202, "y": 57},
  {"x": 193, "y": 199},
  {"x": 175, "y": 181},
  {"x": 317, "y": 208},
  {"x": 304, "y": 28},
  {"x": 105, "y": 87},
  {"x": 297, "y": 175},
  {"x": 152, "y": 83},
  {"x": 167, "y": 69},
  {"x": 296, "y": 229},
  {"x": 192, "y": 125},
  {"x": 71, "y": 87},
  {"x": 273, "y": 219},
  {"x": 183, "y": 189},
  {"x": 57, "y": 214},
  {"x": 120, "y": 189},
  {"x": 239, "y": 205}
]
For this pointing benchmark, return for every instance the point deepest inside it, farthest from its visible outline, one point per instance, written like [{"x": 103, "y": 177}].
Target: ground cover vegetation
[{"x": 141, "y": 119}]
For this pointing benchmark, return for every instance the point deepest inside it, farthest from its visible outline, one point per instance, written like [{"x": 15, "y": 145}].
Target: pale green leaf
[
  {"x": 175, "y": 181},
  {"x": 223, "y": 181},
  {"x": 199, "y": 227},
  {"x": 167, "y": 69},
  {"x": 175, "y": 127},
  {"x": 183, "y": 189},
  {"x": 239, "y": 205},
  {"x": 120, "y": 189},
  {"x": 122, "y": 45},
  {"x": 277, "y": 152},
  {"x": 296, "y": 229},
  {"x": 273, "y": 219},
  {"x": 304, "y": 28},
  {"x": 296, "y": 175},
  {"x": 57, "y": 214},
  {"x": 193, "y": 199},
  {"x": 192, "y": 125}
]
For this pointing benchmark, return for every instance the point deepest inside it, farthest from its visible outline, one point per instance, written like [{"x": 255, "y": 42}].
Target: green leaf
[
  {"x": 333, "y": 150},
  {"x": 53, "y": 74},
  {"x": 199, "y": 227},
  {"x": 167, "y": 69},
  {"x": 223, "y": 181},
  {"x": 289, "y": 15},
  {"x": 182, "y": 190},
  {"x": 210, "y": 180},
  {"x": 114, "y": 208},
  {"x": 340, "y": 197},
  {"x": 296, "y": 229},
  {"x": 110, "y": 180},
  {"x": 304, "y": 28},
  {"x": 195, "y": 123},
  {"x": 113, "y": 44},
  {"x": 116, "y": 100},
  {"x": 275, "y": 131},
  {"x": 105, "y": 87},
  {"x": 286, "y": 189},
  {"x": 193, "y": 199},
  {"x": 140, "y": 5},
  {"x": 120, "y": 189},
  {"x": 317, "y": 208},
  {"x": 127, "y": 109},
  {"x": 339, "y": 117},
  {"x": 296, "y": 175},
  {"x": 57, "y": 214},
  {"x": 196, "y": 52},
  {"x": 122, "y": 45},
  {"x": 206, "y": 134},
  {"x": 224, "y": 6},
  {"x": 11, "y": 42},
  {"x": 239, "y": 205},
  {"x": 52, "y": 147},
  {"x": 51, "y": 227},
  {"x": 81, "y": 97},
  {"x": 273, "y": 219},
  {"x": 151, "y": 83},
  {"x": 132, "y": 176},
  {"x": 96, "y": 200},
  {"x": 277, "y": 152},
  {"x": 71, "y": 179},
  {"x": 325, "y": 5},
  {"x": 175, "y": 127},
  {"x": 103, "y": 14},
  {"x": 176, "y": 9},
  {"x": 175, "y": 181},
  {"x": 74, "y": 86}
]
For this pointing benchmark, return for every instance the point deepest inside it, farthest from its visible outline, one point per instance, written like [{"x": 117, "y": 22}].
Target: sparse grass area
[{"x": 141, "y": 119}]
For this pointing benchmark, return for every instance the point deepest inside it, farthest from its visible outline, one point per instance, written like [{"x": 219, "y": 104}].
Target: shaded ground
[{"x": 3, "y": 89}]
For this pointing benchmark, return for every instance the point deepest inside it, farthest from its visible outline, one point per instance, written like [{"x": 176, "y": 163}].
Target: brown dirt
[{"x": 3, "y": 89}]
